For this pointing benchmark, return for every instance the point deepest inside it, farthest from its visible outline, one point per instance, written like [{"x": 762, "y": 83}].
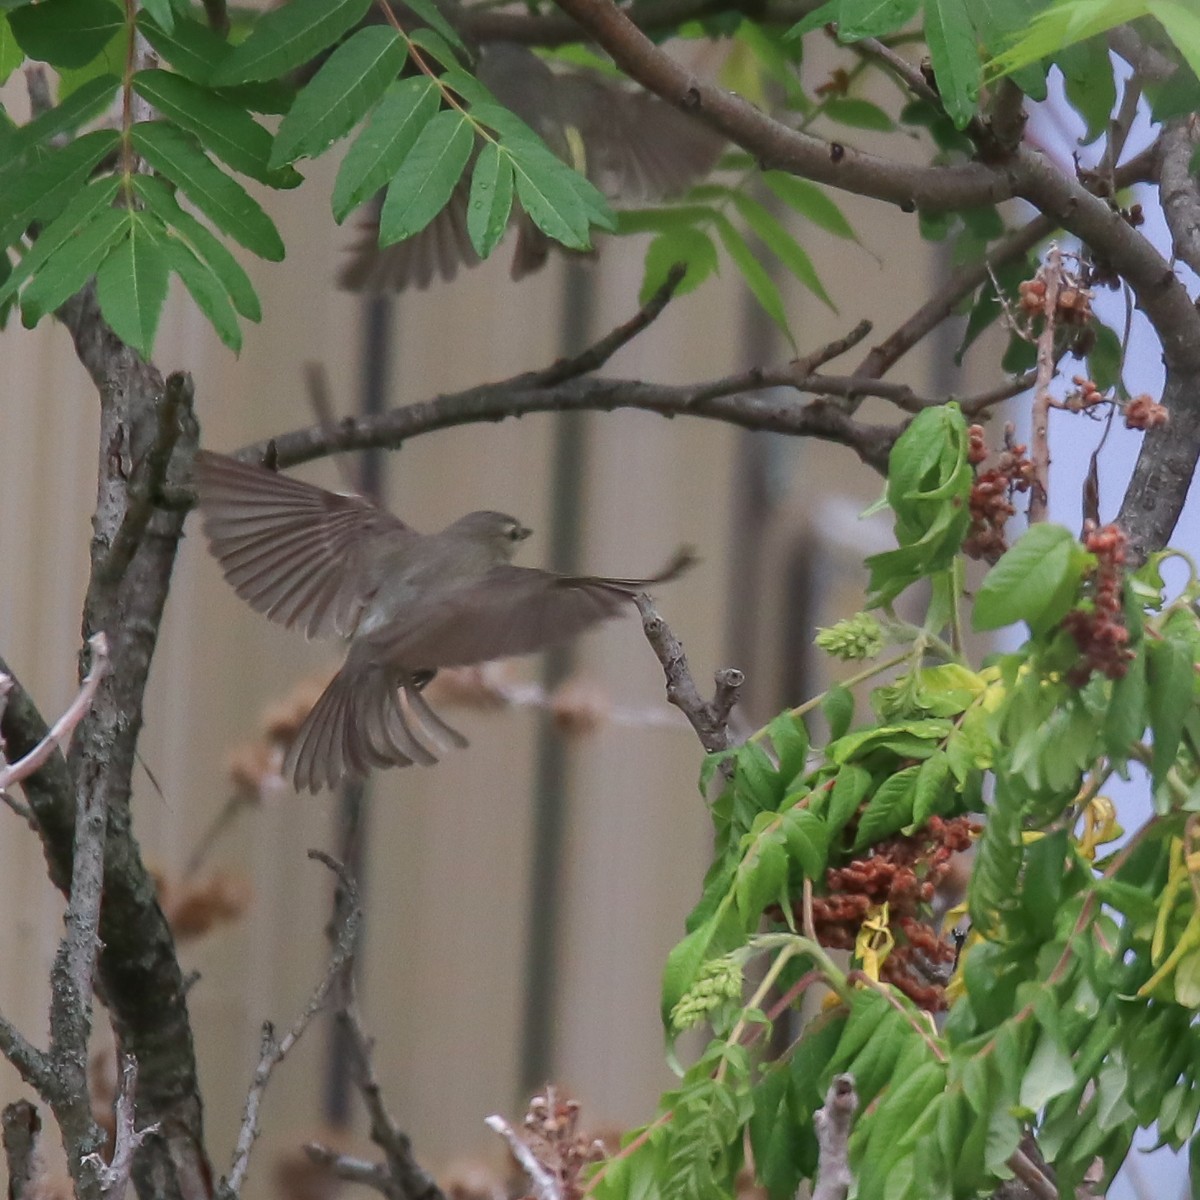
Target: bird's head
[{"x": 499, "y": 532}]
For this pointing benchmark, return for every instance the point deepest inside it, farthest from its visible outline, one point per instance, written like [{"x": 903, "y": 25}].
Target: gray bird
[
  {"x": 409, "y": 603},
  {"x": 634, "y": 147}
]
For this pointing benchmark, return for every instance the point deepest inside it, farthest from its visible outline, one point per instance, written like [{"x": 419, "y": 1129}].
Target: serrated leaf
[
  {"x": 1035, "y": 581},
  {"x": 74, "y": 264},
  {"x": 685, "y": 245},
  {"x": 427, "y": 177},
  {"x": 789, "y": 737},
  {"x": 889, "y": 809},
  {"x": 858, "y": 114},
  {"x": 849, "y": 789},
  {"x": 355, "y": 76},
  {"x": 131, "y": 285},
  {"x": 549, "y": 193},
  {"x": 783, "y": 245},
  {"x": 224, "y": 128},
  {"x": 432, "y": 16},
  {"x": 191, "y": 48},
  {"x": 202, "y": 242},
  {"x": 807, "y": 841},
  {"x": 78, "y": 213},
  {"x": 86, "y": 102},
  {"x": 66, "y": 33},
  {"x": 41, "y": 191},
  {"x": 491, "y": 199},
  {"x": 934, "y": 792},
  {"x": 288, "y": 37},
  {"x": 757, "y": 279},
  {"x": 872, "y": 18},
  {"x": 955, "y": 56},
  {"x": 811, "y": 202},
  {"x": 220, "y": 197},
  {"x": 205, "y": 288},
  {"x": 11, "y": 55},
  {"x": 396, "y": 123}
]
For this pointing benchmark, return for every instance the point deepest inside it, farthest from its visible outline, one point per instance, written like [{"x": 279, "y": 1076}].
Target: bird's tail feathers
[
  {"x": 681, "y": 561},
  {"x": 366, "y": 717}
]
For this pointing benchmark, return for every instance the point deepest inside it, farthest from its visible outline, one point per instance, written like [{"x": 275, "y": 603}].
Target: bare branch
[
  {"x": 832, "y": 1122},
  {"x": 1051, "y": 276},
  {"x": 33, "y": 1065},
  {"x": 114, "y": 1175},
  {"x": 353, "y": 1170},
  {"x": 57, "y": 737},
  {"x": 709, "y": 720},
  {"x": 22, "y": 1126},
  {"x": 1179, "y": 192},
  {"x": 545, "y": 1186},
  {"x": 274, "y": 1050}
]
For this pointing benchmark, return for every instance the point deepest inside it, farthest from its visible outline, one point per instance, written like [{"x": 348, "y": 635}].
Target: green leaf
[
  {"x": 490, "y": 200},
  {"x": 999, "y": 23},
  {"x": 1036, "y": 581},
  {"x": 288, "y": 37},
  {"x": 781, "y": 243},
  {"x": 200, "y": 240},
  {"x": 872, "y": 18},
  {"x": 758, "y": 280},
  {"x": 1128, "y": 710},
  {"x": 79, "y": 212},
  {"x": 1169, "y": 675},
  {"x": 849, "y": 789},
  {"x": 161, "y": 11},
  {"x": 223, "y": 127},
  {"x": 66, "y": 33},
  {"x": 811, "y": 202},
  {"x": 355, "y": 76},
  {"x": 191, "y": 48},
  {"x": 687, "y": 245},
  {"x": 889, "y": 810},
  {"x": 222, "y": 199},
  {"x": 934, "y": 792},
  {"x": 819, "y": 17},
  {"x": 206, "y": 289},
  {"x": 1104, "y": 358},
  {"x": 1090, "y": 84},
  {"x": 789, "y": 737},
  {"x": 838, "y": 707},
  {"x": 807, "y": 839},
  {"x": 11, "y": 55},
  {"x": 429, "y": 12},
  {"x": 41, "y": 191},
  {"x": 422, "y": 186},
  {"x": 1063, "y": 24},
  {"x": 406, "y": 108},
  {"x": 955, "y": 57},
  {"x": 131, "y": 285},
  {"x": 549, "y": 193},
  {"x": 73, "y": 265},
  {"x": 86, "y": 102},
  {"x": 858, "y": 114},
  {"x": 1182, "y": 23}
]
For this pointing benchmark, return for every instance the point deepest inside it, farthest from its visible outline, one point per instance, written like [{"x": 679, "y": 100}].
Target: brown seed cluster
[
  {"x": 1099, "y": 630},
  {"x": 553, "y": 1136},
  {"x": 1073, "y": 307},
  {"x": 903, "y": 872},
  {"x": 1086, "y": 395},
  {"x": 991, "y": 494},
  {"x": 1144, "y": 412}
]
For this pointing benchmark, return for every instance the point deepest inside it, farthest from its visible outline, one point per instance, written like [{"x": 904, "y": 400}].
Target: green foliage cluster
[{"x": 1071, "y": 1012}]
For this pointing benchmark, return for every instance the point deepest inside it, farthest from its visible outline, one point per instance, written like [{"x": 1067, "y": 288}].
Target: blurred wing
[
  {"x": 292, "y": 550},
  {"x": 510, "y": 611},
  {"x": 436, "y": 252}
]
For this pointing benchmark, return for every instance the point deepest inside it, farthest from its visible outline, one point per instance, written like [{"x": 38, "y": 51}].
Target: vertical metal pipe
[{"x": 550, "y": 795}]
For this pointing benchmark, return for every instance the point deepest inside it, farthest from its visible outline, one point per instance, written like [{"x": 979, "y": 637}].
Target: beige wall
[{"x": 448, "y": 874}]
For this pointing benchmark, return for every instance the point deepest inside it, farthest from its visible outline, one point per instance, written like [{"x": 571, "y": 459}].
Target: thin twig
[
  {"x": 1039, "y": 492},
  {"x": 353, "y": 1170},
  {"x": 65, "y": 725},
  {"x": 596, "y": 355},
  {"x": 709, "y": 720},
  {"x": 274, "y": 1050},
  {"x": 832, "y": 1122},
  {"x": 545, "y": 1186},
  {"x": 114, "y": 1175}
]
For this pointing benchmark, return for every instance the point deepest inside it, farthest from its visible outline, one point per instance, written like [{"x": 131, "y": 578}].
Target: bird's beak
[{"x": 523, "y": 532}]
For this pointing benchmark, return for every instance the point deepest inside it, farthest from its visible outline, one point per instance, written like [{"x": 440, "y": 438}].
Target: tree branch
[
  {"x": 834, "y": 1178},
  {"x": 1178, "y": 191},
  {"x": 710, "y": 720},
  {"x": 274, "y": 1050},
  {"x": 22, "y": 1126}
]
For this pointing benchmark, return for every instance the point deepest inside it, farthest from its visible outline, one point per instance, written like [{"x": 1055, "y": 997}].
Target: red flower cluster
[
  {"x": 1100, "y": 631},
  {"x": 904, "y": 872},
  {"x": 991, "y": 494},
  {"x": 1143, "y": 412},
  {"x": 1086, "y": 395}
]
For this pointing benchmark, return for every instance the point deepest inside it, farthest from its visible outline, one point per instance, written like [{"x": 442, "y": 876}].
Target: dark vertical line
[
  {"x": 354, "y": 810},
  {"x": 550, "y": 789}
]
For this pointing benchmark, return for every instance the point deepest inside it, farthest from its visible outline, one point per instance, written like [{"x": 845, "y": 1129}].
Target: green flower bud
[{"x": 859, "y": 637}]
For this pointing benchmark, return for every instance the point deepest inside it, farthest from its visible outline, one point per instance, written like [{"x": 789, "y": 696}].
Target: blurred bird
[
  {"x": 635, "y": 148},
  {"x": 408, "y": 603}
]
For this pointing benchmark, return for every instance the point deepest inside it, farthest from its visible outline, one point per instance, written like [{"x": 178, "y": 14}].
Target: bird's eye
[{"x": 514, "y": 533}]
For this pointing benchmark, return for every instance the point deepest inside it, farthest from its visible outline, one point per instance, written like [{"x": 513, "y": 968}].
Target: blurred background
[{"x": 521, "y": 896}]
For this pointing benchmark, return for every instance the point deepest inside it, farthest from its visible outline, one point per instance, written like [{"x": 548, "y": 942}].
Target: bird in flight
[{"x": 408, "y": 603}]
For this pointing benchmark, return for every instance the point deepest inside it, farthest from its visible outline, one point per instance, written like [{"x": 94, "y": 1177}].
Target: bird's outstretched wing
[
  {"x": 509, "y": 611},
  {"x": 291, "y": 550}
]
